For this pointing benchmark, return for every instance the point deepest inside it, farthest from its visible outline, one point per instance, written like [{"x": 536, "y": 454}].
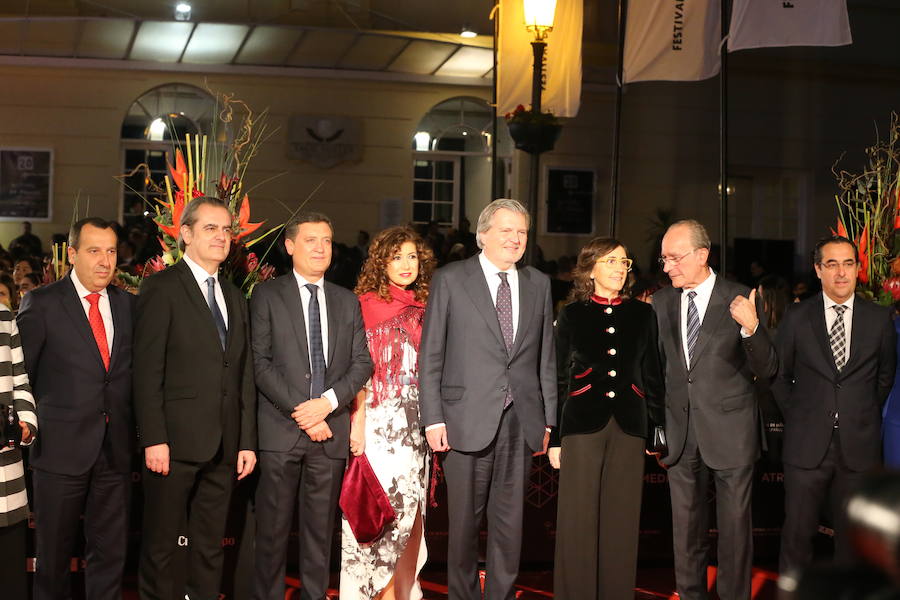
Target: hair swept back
[
  {"x": 373, "y": 276},
  {"x": 582, "y": 284}
]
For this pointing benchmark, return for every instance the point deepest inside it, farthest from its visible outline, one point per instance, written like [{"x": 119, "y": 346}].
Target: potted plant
[{"x": 533, "y": 132}]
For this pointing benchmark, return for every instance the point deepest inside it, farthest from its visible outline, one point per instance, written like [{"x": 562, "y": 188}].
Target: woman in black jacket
[{"x": 610, "y": 393}]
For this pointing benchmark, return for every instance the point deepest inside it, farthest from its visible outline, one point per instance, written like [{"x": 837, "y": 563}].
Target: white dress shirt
[
  {"x": 201, "y": 276},
  {"x": 103, "y": 305},
  {"x": 831, "y": 315},
  {"x": 493, "y": 282},
  {"x": 701, "y": 300},
  {"x": 305, "y": 296}
]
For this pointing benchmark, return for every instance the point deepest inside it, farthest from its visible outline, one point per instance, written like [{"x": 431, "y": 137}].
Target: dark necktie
[
  {"x": 838, "y": 338},
  {"x": 504, "y": 315},
  {"x": 214, "y": 308},
  {"x": 693, "y": 325},
  {"x": 316, "y": 349},
  {"x": 97, "y": 327}
]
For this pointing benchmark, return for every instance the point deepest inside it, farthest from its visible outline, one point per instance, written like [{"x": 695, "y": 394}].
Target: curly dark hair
[
  {"x": 373, "y": 276},
  {"x": 582, "y": 284}
]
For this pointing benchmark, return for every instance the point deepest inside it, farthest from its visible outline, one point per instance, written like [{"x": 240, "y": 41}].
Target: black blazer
[
  {"x": 717, "y": 394},
  {"x": 281, "y": 360},
  {"x": 73, "y": 390},
  {"x": 188, "y": 392},
  {"x": 608, "y": 366},
  {"x": 809, "y": 389}
]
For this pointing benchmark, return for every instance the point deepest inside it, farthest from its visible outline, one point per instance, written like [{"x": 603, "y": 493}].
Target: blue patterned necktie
[
  {"x": 316, "y": 349},
  {"x": 504, "y": 315},
  {"x": 214, "y": 308},
  {"x": 838, "y": 338},
  {"x": 693, "y": 325}
]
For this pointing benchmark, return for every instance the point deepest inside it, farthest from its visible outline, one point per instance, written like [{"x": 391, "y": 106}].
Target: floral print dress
[{"x": 396, "y": 449}]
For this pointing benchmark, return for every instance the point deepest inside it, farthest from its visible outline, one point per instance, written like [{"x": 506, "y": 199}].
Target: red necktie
[{"x": 98, "y": 328}]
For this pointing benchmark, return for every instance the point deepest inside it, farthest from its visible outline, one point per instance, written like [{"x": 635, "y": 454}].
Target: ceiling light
[
  {"x": 182, "y": 11},
  {"x": 467, "y": 32},
  {"x": 423, "y": 141}
]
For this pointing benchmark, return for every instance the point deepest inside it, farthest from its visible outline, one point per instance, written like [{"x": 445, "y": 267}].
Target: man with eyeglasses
[
  {"x": 838, "y": 354},
  {"x": 713, "y": 346}
]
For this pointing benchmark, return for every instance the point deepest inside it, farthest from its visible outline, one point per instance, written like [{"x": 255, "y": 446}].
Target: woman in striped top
[{"x": 15, "y": 391}]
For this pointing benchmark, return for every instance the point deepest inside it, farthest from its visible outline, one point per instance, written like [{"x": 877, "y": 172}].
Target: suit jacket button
[
  {"x": 690, "y": 380},
  {"x": 106, "y": 381},
  {"x": 307, "y": 375},
  {"x": 685, "y": 409},
  {"x": 837, "y": 386},
  {"x": 225, "y": 364},
  {"x": 502, "y": 388}
]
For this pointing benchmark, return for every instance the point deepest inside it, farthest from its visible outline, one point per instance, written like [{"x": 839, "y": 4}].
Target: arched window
[
  {"x": 452, "y": 160},
  {"x": 153, "y": 126}
]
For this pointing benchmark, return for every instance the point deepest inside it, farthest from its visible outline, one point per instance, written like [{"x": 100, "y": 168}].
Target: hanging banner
[
  {"x": 764, "y": 23},
  {"x": 668, "y": 40},
  {"x": 562, "y": 59}
]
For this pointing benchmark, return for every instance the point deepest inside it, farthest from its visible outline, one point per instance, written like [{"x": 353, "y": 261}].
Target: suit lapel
[
  {"x": 117, "y": 305},
  {"x": 817, "y": 322},
  {"x": 290, "y": 295},
  {"x": 331, "y": 305},
  {"x": 477, "y": 288},
  {"x": 232, "y": 298},
  {"x": 716, "y": 310},
  {"x": 527, "y": 303},
  {"x": 195, "y": 297},
  {"x": 857, "y": 334},
  {"x": 75, "y": 309},
  {"x": 675, "y": 326}
]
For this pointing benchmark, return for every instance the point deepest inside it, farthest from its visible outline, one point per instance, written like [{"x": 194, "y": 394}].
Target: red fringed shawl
[{"x": 389, "y": 325}]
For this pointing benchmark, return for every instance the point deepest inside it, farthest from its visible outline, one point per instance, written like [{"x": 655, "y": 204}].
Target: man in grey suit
[
  {"x": 487, "y": 394},
  {"x": 310, "y": 359},
  {"x": 713, "y": 346}
]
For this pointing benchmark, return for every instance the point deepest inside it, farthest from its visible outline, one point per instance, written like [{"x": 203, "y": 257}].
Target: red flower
[
  {"x": 863, "y": 244},
  {"x": 245, "y": 227},
  {"x": 841, "y": 230},
  {"x": 154, "y": 265},
  {"x": 892, "y": 286},
  {"x": 252, "y": 261}
]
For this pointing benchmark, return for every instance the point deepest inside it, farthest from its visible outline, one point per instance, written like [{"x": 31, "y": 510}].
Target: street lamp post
[{"x": 539, "y": 21}]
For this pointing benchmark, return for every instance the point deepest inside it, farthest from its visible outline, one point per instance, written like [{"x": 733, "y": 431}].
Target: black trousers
[
  {"x": 13, "y": 580},
  {"x": 805, "y": 493},
  {"x": 491, "y": 480},
  {"x": 310, "y": 480},
  {"x": 103, "y": 496},
  {"x": 598, "y": 515},
  {"x": 197, "y": 493},
  {"x": 688, "y": 487}
]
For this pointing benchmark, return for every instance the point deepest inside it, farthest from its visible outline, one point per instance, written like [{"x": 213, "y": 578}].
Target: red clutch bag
[{"x": 363, "y": 501}]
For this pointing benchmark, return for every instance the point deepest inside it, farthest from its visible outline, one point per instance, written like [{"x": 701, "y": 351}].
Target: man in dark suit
[
  {"x": 838, "y": 354},
  {"x": 487, "y": 394},
  {"x": 195, "y": 403},
  {"x": 76, "y": 336},
  {"x": 713, "y": 346},
  {"x": 311, "y": 358}
]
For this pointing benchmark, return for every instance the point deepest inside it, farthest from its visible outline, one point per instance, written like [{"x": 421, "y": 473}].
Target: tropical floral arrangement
[
  {"x": 190, "y": 178},
  {"x": 869, "y": 214}
]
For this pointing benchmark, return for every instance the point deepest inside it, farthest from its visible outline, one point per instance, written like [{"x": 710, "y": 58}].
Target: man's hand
[
  {"x": 157, "y": 458},
  {"x": 319, "y": 432},
  {"x": 246, "y": 461},
  {"x": 743, "y": 310},
  {"x": 312, "y": 412},
  {"x": 554, "y": 454},
  {"x": 26, "y": 432},
  {"x": 437, "y": 439},
  {"x": 544, "y": 445}
]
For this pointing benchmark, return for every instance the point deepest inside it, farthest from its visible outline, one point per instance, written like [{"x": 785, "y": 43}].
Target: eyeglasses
[
  {"x": 612, "y": 263},
  {"x": 831, "y": 265},
  {"x": 673, "y": 260}
]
